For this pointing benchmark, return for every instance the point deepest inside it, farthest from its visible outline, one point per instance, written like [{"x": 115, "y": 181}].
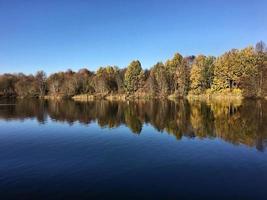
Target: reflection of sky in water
[{"x": 94, "y": 161}]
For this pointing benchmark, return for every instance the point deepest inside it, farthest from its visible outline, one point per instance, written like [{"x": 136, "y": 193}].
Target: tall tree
[
  {"x": 7, "y": 85},
  {"x": 201, "y": 76},
  {"x": 41, "y": 82},
  {"x": 85, "y": 78},
  {"x": 171, "y": 66},
  {"x": 133, "y": 76},
  {"x": 182, "y": 78},
  {"x": 55, "y": 83},
  {"x": 237, "y": 69},
  {"x": 158, "y": 80},
  {"x": 261, "y": 54},
  {"x": 26, "y": 86},
  {"x": 260, "y": 47},
  {"x": 108, "y": 79}
]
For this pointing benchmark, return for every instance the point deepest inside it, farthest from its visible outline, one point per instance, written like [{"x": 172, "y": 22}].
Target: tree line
[{"x": 237, "y": 72}]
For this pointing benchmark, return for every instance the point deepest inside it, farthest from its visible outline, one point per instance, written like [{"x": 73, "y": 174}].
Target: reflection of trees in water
[
  {"x": 23, "y": 109},
  {"x": 201, "y": 118},
  {"x": 243, "y": 124},
  {"x": 235, "y": 122}
]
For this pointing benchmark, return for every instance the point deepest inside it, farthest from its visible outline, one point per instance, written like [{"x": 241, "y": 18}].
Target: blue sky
[{"x": 57, "y": 35}]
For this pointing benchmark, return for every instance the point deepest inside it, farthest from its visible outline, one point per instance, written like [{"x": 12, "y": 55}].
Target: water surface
[{"x": 133, "y": 150}]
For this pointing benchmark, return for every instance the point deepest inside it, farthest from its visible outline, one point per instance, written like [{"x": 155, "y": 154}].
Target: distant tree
[
  {"x": 171, "y": 66},
  {"x": 41, "y": 82},
  {"x": 84, "y": 72},
  {"x": 133, "y": 76},
  {"x": 7, "y": 85},
  {"x": 261, "y": 54},
  {"x": 71, "y": 84},
  {"x": 55, "y": 83},
  {"x": 201, "y": 76},
  {"x": 182, "y": 78},
  {"x": 237, "y": 69},
  {"x": 260, "y": 47},
  {"x": 225, "y": 71},
  {"x": 85, "y": 79},
  {"x": 158, "y": 80},
  {"x": 189, "y": 60},
  {"x": 26, "y": 86},
  {"x": 119, "y": 78},
  {"x": 209, "y": 71},
  {"x": 108, "y": 79}
]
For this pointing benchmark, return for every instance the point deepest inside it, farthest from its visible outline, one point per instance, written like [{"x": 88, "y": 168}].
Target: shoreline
[{"x": 125, "y": 97}]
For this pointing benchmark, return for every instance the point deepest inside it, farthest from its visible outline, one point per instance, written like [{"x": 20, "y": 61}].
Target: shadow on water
[{"x": 235, "y": 122}]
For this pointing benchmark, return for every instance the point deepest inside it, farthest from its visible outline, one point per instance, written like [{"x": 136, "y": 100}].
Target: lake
[{"x": 133, "y": 150}]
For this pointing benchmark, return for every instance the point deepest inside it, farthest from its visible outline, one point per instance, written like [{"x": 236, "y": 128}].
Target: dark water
[{"x": 133, "y": 150}]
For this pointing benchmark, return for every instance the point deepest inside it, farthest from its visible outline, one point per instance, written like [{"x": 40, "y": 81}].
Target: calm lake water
[{"x": 133, "y": 150}]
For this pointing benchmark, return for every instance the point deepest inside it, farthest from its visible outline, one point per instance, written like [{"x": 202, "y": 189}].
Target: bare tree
[
  {"x": 260, "y": 47},
  {"x": 41, "y": 82}
]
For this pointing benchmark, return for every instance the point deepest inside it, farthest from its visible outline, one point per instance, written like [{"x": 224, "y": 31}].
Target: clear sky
[{"x": 57, "y": 35}]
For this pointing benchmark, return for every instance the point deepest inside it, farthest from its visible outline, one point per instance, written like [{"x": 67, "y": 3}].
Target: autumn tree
[
  {"x": 171, "y": 66},
  {"x": 26, "y": 86},
  {"x": 261, "y": 53},
  {"x": 7, "y": 85},
  {"x": 158, "y": 80},
  {"x": 241, "y": 72},
  {"x": 119, "y": 77},
  {"x": 108, "y": 79},
  {"x": 201, "y": 76},
  {"x": 40, "y": 78},
  {"x": 250, "y": 72},
  {"x": 225, "y": 71},
  {"x": 55, "y": 82},
  {"x": 71, "y": 84},
  {"x": 85, "y": 79},
  {"x": 182, "y": 78},
  {"x": 133, "y": 77},
  {"x": 237, "y": 69}
]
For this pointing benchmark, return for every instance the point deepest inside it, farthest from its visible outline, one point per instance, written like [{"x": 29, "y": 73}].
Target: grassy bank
[
  {"x": 90, "y": 97},
  {"x": 222, "y": 95},
  {"x": 226, "y": 95},
  {"x": 117, "y": 97}
]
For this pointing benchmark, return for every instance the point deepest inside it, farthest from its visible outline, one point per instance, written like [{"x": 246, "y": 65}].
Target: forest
[{"x": 236, "y": 73}]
